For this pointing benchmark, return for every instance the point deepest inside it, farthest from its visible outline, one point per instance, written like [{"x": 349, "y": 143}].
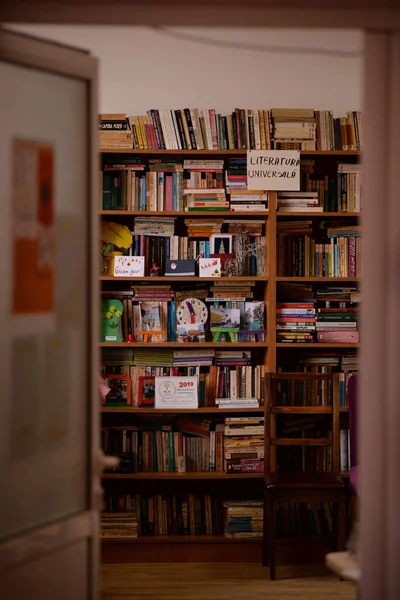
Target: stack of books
[
  {"x": 294, "y": 129},
  {"x": 203, "y": 174},
  {"x": 193, "y": 358},
  {"x": 114, "y": 132},
  {"x": 295, "y": 322},
  {"x": 248, "y": 200},
  {"x": 299, "y": 202},
  {"x": 244, "y": 445},
  {"x": 337, "y": 324},
  {"x": 243, "y": 518},
  {"x": 118, "y": 526},
  {"x": 236, "y": 175},
  {"x": 164, "y": 186}
]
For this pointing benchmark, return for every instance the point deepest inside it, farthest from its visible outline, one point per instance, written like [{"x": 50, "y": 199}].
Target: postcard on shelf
[
  {"x": 191, "y": 333},
  {"x": 209, "y": 267},
  {"x": 111, "y": 321},
  {"x": 120, "y": 390},
  {"x": 176, "y": 392},
  {"x": 146, "y": 391},
  {"x": 224, "y": 317},
  {"x": 128, "y": 266},
  {"x": 180, "y": 268},
  {"x": 221, "y": 243}
]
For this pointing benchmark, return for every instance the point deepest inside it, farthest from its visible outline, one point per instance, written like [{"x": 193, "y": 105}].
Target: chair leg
[
  {"x": 341, "y": 525},
  {"x": 265, "y": 532},
  {"x": 271, "y": 518}
]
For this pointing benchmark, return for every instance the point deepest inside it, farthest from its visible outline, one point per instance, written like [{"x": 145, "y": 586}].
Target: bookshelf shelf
[
  {"x": 322, "y": 215},
  {"x": 187, "y": 475},
  {"x": 187, "y": 278},
  {"x": 220, "y": 345},
  {"x": 345, "y": 474},
  {"x": 317, "y": 279},
  {"x": 218, "y": 152},
  {"x": 301, "y": 442},
  {"x": 202, "y": 411},
  {"x": 302, "y": 410},
  {"x": 316, "y": 345},
  {"x": 184, "y": 539},
  {"x": 183, "y": 213},
  {"x": 344, "y": 409}
]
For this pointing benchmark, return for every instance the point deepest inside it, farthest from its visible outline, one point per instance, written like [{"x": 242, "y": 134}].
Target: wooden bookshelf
[{"x": 269, "y": 353}]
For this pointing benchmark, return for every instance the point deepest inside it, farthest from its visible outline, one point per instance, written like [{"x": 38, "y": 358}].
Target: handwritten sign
[
  {"x": 273, "y": 170},
  {"x": 176, "y": 392},
  {"x": 209, "y": 267},
  {"x": 128, "y": 266}
]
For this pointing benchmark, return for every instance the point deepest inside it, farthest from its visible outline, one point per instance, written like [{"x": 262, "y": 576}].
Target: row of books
[
  {"x": 160, "y": 321},
  {"x": 304, "y": 519},
  {"x": 131, "y": 183},
  {"x": 227, "y": 385},
  {"x": 192, "y": 514},
  {"x": 258, "y": 129},
  {"x": 300, "y": 255},
  {"x": 188, "y": 444},
  {"x": 182, "y": 514}
]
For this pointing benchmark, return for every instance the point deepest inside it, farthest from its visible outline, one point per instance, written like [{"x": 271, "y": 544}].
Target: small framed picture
[
  {"x": 221, "y": 244},
  {"x": 146, "y": 392},
  {"x": 120, "y": 389}
]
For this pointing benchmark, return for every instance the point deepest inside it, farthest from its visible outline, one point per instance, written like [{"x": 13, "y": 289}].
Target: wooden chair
[{"x": 304, "y": 486}]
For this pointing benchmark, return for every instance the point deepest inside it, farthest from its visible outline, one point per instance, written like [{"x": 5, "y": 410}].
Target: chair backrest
[{"x": 352, "y": 395}]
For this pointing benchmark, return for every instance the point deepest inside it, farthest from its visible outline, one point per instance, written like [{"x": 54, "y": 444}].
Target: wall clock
[{"x": 191, "y": 310}]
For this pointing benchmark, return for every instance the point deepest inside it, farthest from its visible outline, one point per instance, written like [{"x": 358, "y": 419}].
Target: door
[{"x": 49, "y": 461}]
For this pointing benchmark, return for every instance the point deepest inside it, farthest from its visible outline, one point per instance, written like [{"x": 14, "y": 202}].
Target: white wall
[{"x": 141, "y": 68}]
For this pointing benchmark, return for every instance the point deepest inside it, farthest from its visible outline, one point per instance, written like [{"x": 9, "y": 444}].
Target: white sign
[
  {"x": 176, "y": 392},
  {"x": 128, "y": 266},
  {"x": 273, "y": 170}
]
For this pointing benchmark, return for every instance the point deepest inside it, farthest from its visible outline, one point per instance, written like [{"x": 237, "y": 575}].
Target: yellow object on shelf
[{"x": 111, "y": 261}]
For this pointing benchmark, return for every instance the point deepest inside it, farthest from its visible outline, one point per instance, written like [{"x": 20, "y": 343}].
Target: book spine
[
  {"x": 190, "y": 128},
  {"x": 338, "y": 336}
]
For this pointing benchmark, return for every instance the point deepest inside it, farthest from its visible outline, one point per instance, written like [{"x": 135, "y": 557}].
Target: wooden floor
[{"x": 220, "y": 582}]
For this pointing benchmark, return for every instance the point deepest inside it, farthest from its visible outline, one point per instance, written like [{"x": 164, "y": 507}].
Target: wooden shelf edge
[
  {"x": 220, "y": 152},
  {"x": 322, "y": 279},
  {"x": 202, "y": 410},
  {"x": 317, "y": 345},
  {"x": 308, "y": 410},
  {"x": 184, "y": 539},
  {"x": 156, "y": 280},
  {"x": 187, "y": 475},
  {"x": 221, "y": 345},
  {"x": 317, "y": 214},
  {"x": 183, "y": 213},
  {"x": 301, "y": 442}
]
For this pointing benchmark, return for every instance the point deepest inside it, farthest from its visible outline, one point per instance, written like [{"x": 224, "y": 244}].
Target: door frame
[
  {"x": 380, "y": 418},
  {"x": 19, "y": 49}
]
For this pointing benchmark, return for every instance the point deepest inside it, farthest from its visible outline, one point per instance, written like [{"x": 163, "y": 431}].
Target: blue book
[
  {"x": 336, "y": 255},
  {"x": 207, "y": 251},
  {"x": 143, "y": 195}
]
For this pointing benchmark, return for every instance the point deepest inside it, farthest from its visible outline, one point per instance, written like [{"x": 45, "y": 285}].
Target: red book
[
  {"x": 350, "y": 337},
  {"x": 295, "y": 305},
  {"x": 252, "y": 466}
]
